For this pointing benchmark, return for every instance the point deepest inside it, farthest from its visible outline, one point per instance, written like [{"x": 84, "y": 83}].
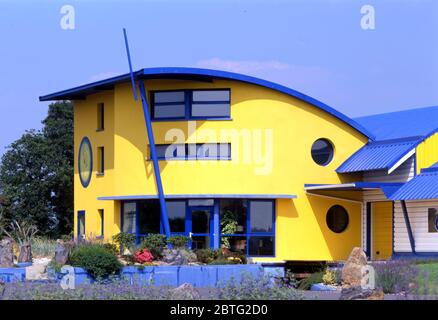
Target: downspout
[{"x": 408, "y": 225}]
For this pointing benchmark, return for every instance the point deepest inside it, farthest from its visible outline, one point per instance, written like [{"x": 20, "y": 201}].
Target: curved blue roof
[{"x": 198, "y": 74}]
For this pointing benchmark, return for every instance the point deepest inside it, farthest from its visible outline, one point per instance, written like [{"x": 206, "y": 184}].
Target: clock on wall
[{"x": 85, "y": 162}]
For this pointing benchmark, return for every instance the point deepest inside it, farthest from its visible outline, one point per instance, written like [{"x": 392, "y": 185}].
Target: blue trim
[
  {"x": 201, "y": 196},
  {"x": 165, "y": 218},
  {"x": 393, "y": 225},
  {"x": 134, "y": 89},
  {"x": 85, "y": 141},
  {"x": 80, "y": 213},
  {"x": 414, "y": 255},
  {"x": 189, "y": 216},
  {"x": 368, "y": 226},
  {"x": 200, "y": 75},
  {"x": 408, "y": 225},
  {"x": 216, "y": 225}
]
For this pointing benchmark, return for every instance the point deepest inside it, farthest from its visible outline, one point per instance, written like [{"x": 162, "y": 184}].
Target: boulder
[
  {"x": 353, "y": 268},
  {"x": 178, "y": 256},
  {"x": 185, "y": 292},
  {"x": 358, "y": 293},
  {"x": 62, "y": 251},
  {"x": 6, "y": 253}
]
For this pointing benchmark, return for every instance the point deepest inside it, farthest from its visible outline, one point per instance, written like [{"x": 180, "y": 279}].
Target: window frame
[
  {"x": 429, "y": 212},
  {"x": 100, "y": 161},
  {"x": 188, "y": 102},
  {"x": 332, "y": 155},
  {"x": 347, "y": 216},
  {"x": 191, "y": 157}
]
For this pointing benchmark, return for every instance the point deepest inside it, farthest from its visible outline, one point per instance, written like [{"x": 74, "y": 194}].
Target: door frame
[
  {"x": 370, "y": 230},
  {"x": 189, "y": 226}
]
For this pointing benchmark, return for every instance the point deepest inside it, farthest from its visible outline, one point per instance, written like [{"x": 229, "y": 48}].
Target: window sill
[
  {"x": 100, "y": 130},
  {"x": 100, "y": 174}
]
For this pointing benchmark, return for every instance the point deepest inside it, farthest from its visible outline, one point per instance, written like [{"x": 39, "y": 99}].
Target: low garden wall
[
  {"x": 198, "y": 276},
  {"x": 12, "y": 274}
]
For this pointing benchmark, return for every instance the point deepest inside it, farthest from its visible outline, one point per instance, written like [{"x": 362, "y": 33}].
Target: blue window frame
[
  {"x": 198, "y": 151},
  {"x": 196, "y": 104},
  {"x": 253, "y": 235}
]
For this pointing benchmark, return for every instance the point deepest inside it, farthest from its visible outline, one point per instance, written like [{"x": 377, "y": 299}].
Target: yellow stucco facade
[{"x": 260, "y": 113}]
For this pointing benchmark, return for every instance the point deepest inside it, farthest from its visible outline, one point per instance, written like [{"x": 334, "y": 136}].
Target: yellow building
[{"x": 243, "y": 163}]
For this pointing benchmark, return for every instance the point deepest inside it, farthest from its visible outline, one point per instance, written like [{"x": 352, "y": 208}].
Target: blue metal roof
[
  {"x": 400, "y": 124},
  {"x": 379, "y": 155},
  {"x": 388, "y": 188},
  {"x": 197, "y": 74},
  {"x": 424, "y": 186}
]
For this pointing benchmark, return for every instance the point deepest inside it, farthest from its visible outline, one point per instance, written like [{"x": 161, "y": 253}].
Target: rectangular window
[
  {"x": 176, "y": 211},
  {"x": 248, "y": 226},
  {"x": 148, "y": 217},
  {"x": 199, "y": 151},
  {"x": 433, "y": 219},
  {"x": 129, "y": 216},
  {"x": 191, "y": 104},
  {"x": 100, "y": 160},
  {"x": 100, "y": 216},
  {"x": 100, "y": 116},
  {"x": 81, "y": 225}
]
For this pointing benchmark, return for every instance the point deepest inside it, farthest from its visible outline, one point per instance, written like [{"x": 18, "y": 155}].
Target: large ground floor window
[{"x": 242, "y": 225}]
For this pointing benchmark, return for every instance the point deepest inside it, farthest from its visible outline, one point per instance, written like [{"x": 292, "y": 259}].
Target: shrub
[
  {"x": 206, "y": 255},
  {"x": 222, "y": 260},
  {"x": 124, "y": 240},
  {"x": 142, "y": 256},
  {"x": 329, "y": 277},
  {"x": 43, "y": 247},
  {"x": 314, "y": 278},
  {"x": 111, "y": 247},
  {"x": 155, "y": 243},
  {"x": 178, "y": 241},
  {"x": 96, "y": 259},
  {"x": 395, "y": 276}
]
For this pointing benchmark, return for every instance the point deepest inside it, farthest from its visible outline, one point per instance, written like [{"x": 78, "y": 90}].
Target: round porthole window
[
  {"x": 337, "y": 219},
  {"x": 322, "y": 152}
]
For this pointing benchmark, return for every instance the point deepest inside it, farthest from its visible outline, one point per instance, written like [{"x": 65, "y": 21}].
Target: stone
[
  {"x": 353, "y": 268},
  {"x": 38, "y": 270},
  {"x": 178, "y": 256},
  {"x": 358, "y": 293},
  {"x": 185, "y": 292},
  {"x": 6, "y": 253},
  {"x": 62, "y": 251},
  {"x": 25, "y": 253},
  {"x": 2, "y": 288}
]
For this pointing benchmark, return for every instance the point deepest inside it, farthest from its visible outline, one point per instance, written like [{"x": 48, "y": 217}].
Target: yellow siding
[
  {"x": 382, "y": 230},
  {"x": 427, "y": 152},
  {"x": 301, "y": 229}
]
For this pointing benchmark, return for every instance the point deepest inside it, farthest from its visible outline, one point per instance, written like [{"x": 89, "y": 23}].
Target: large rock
[
  {"x": 62, "y": 251},
  {"x": 178, "y": 256},
  {"x": 6, "y": 253},
  {"x": 185, "y": 292},
  {"x": 353, "y": 268},
  {"x": 358, "y": 293}
]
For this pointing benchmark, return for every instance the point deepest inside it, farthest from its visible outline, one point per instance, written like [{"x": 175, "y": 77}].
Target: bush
[
  {"x": 143, "y": 256},
  {"x": 124, "y": 240},
  {"x": 222, "y": 260},
  {"x": 43, "y": 247},
  {"x": 96, "y": 259},
  {"x": 206, "y": 255},
  {"x": 178, "y": 241},
  {"x": 395, "y": 276},
  {"x": 155, "y": 243},
  {"x": 314, "y": 278},
  {"x": 329, "y": 277},
  {"x": 111, "y": 247}
]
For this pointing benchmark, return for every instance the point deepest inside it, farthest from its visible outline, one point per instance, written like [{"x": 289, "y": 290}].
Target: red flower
[{"x": 143, "y": 256}]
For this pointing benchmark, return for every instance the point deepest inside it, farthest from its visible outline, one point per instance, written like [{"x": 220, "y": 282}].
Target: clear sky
[{"x": 317, "y": 47}]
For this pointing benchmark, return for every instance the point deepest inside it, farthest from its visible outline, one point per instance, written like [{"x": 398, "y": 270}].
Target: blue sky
[{"x": 314, "y": 46}]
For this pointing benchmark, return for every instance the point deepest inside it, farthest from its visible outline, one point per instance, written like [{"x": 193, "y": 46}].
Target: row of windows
[
  {"x": 194, "y": 151},
  {"x": 190, "y": 104},
  {"x": 246, "y": 226}
]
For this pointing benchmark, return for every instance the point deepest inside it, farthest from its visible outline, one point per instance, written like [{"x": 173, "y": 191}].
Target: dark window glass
[
  {"x": 176, "y": 210},
  {"x": 213, "y": 151},
  {"x": 201, "y": 221},
  {"x": 200, "y": 242},
  {"x": 337, "y": 219},
  {"x": 170, "y": 151},
  {"x": 235, "y": 243},
  {"x": 169, "y": 97},
  {"x": 100, "y": 116},
  {"x": 233, "y": 216},
  {"x": 169, "y": 111},
  {"x": 433, "y": 220},
  {"x": 148, "y": 216},
  {"x": 100, "y": 213},
  {"x": 260, "y": 216},
  {"x": 322, "y": 152},
  {"x": 210, "y": 103},
  {"x": 129, "y": 217},
  {"x": 100, "y": 160},
  {"x": 261, "y": 246}
]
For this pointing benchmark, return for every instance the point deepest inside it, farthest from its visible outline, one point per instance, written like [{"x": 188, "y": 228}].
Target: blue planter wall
[{"x": 12, "y": 274}]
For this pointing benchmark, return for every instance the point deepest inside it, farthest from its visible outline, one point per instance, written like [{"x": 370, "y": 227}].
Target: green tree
[{"x": 36, "y": 173}]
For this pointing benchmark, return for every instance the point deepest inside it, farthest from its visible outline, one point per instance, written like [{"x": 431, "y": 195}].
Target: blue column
[
  {"x": 164, "y": 217},
  {"x": 216, "y": 225}
]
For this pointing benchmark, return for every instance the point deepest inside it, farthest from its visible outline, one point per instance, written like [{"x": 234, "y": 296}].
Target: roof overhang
[
  {"x": 387, "y": 188},
  {"x": 198, "y": 74},
  {"x": 422, "y": 187},
  {"x": 200, "y": 196}
]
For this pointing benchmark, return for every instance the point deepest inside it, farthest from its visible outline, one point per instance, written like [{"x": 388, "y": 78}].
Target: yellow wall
[
  {"x": 382, "y": 230},
  {"x": 427, "y": 152},
  {"x": 301, "y": 229}
]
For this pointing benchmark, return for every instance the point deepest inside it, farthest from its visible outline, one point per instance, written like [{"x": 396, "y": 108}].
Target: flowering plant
[{"x": 143, "y": 256}]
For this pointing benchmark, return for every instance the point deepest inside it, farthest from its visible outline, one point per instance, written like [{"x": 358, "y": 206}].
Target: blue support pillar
[
  {"x": 408, "y": 225},
  {"x": 164, "y": 216},
  {"x": 216, "y": 226}
]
